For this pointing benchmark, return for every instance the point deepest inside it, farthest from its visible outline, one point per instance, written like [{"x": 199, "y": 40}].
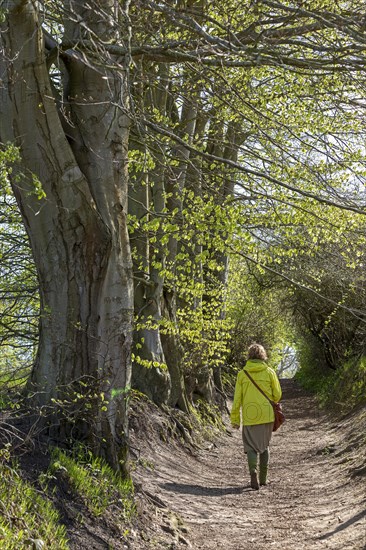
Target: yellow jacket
[{"x": 254, "y": 407}]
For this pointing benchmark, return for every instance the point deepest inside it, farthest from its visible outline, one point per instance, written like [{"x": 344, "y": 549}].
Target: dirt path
[{"x": 311, "y": 501}]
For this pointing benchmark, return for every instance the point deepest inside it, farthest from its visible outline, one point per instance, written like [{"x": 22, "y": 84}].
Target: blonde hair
[{"x": 256, "y": 351}]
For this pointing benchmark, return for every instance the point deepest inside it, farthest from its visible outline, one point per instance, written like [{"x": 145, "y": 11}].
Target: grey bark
[
  {"x": 233, "y": 139},
  {"x": 175, "y": 184},
  {"x": 146, "y": 201},
  {"x": 78, "y": 233},
  {"x": 149, "y": 372}
]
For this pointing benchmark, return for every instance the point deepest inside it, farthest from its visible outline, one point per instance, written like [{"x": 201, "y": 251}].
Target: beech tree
[
  {"x": 78, "y": 230},
  {"x": 248, "y": 136}
]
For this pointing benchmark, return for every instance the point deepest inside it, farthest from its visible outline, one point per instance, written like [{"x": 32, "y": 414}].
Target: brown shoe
[{"x": 254, "y": 480}]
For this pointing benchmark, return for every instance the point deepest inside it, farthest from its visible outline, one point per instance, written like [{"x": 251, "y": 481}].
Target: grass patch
[
  {"x": 27, "y": 519},
  {"x": 91, "y": 478}
]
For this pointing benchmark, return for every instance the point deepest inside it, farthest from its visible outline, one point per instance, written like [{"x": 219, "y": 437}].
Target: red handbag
[{"x": 279, "y": 417}]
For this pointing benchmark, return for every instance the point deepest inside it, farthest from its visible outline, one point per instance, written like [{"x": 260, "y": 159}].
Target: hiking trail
[{"x": 312, "y": 500}]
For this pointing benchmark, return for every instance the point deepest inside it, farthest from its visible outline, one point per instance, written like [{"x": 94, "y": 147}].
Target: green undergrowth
[
  {"x": 27, "y": 518},
  {"x": 209, "y": 418},
  {"x": 202, "y": 422},
  {"x": 93, "y": 480},
  {"x": 340, "y": 390}
]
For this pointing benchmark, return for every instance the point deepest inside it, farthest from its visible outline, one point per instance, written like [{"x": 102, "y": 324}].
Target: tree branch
[{"x": 256, "y": 173}]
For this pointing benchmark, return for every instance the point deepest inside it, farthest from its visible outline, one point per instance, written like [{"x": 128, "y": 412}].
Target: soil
[{"x": 200, "y": 498}]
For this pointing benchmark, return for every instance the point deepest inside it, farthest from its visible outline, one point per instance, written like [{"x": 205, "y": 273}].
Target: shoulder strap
[{"x": 258, "y": 388}]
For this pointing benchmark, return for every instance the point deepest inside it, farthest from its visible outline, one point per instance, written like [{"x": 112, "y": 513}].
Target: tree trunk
[
  {"x": 149, "y": 372},
  {"x": 146, "y": 202},
  {"x": 78, "y": 232},
  {"x": 233, "y": 139},
  {"x": 175, "y": 185},
  {"x": 174, "y": 353}
]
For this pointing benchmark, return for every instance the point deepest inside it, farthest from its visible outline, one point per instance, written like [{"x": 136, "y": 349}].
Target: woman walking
[{"x": 256, "y": 411}]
